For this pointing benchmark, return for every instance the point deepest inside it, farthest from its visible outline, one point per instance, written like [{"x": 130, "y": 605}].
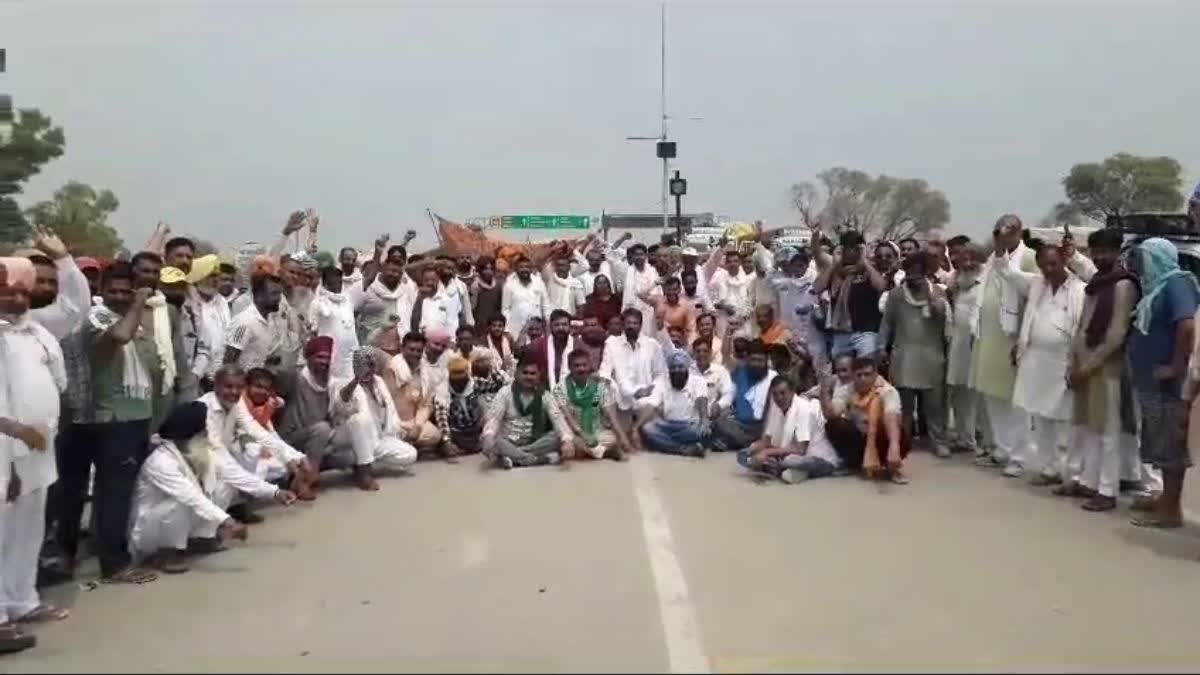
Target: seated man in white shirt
[
  {"x": 793, "y": 446},
  {"x": 232, "y": 430},
  {"x": 862, "y": 422},
  {"x": 716, "y": 377},
  {"x": 633, "y": 362},
  {"x": 363, "y": 409},
  {"x": 674, "y": 418},
  {"x": 181, "y": 497}
]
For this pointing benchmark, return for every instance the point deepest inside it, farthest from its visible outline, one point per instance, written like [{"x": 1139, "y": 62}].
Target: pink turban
[
  {"x": 438, "y": 336},
  {"x": 19, "y": 273}
]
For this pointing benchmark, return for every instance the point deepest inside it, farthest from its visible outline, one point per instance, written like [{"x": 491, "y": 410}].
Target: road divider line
[{"x": 685, "y": 648}]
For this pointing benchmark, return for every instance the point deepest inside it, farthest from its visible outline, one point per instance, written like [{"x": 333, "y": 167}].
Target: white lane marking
[{"x": 685, "y": 651}]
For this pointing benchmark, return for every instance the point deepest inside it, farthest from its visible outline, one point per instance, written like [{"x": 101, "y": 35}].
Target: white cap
[{"x": 688, "y": 250}]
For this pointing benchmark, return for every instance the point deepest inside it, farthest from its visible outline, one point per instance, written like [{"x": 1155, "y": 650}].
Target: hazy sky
[{"x": 222, "y": 117}]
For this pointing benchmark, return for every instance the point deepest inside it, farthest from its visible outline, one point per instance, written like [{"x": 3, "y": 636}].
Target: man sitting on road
[
  {"x": 793, "y": 447},
  {"x": 743, "y": 424},
  {"x": 674, "y": 417},
  {"x": 863, "y": 423},
  {"x": 586, "y": 401},
  {"x": 459, "y": 410},
  {"x": 364, "y": 411},
  {"x": 524, "y": 426}
]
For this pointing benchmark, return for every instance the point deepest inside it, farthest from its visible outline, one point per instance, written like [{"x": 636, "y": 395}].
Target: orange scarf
[
  {"x": 871, "y": 404},
  {"x": 264, "y": 414},
  {"x": 775, "y": 335}
]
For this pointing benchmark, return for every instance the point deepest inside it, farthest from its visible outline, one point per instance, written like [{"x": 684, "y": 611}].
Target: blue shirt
[
  {"x": 1177, "y": 301},
  {"x": 742, "y": 383}
]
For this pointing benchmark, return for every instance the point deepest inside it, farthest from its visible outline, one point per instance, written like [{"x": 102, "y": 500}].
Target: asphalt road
[{"x": 660, "y": 563}]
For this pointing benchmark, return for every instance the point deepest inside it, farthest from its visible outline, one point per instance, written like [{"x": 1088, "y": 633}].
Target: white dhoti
[
  {"x": 22, "y": 526},
  {"x": 1010, "y": 429},
  {"x": 169, "y": 524}
]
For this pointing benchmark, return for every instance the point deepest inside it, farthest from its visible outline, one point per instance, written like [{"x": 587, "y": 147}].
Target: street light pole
[{"x": 663, "y": 102}]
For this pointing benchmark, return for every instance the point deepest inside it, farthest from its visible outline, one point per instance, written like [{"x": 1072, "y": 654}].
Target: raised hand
[
  {"x": 409, "y": 236},
  {"x": 49, "y": 243},
  {"x": 295, "y": 222}
]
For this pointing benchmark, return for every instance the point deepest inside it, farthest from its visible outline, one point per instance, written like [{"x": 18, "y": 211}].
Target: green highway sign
[{"x": 545, "y": 222}]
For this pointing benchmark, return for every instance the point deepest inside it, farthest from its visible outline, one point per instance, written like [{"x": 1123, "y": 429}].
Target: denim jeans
[
  {"x": 815, "y": 467},
  {"x": 674, "y": 437},
  {"x": 854, "y": 344}
]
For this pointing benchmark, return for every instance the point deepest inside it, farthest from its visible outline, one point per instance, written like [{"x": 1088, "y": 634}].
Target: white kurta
[
  {"x": 169, "y": 506},
  {"x": 565, "y": 294},
  {"x": 520, "y": 302},
  {"x": 735, "y": 291},
  {"x": 1044, "y": 348},
  {"x": 372, "y": 425},
  {"x": 216, "y": 317},
  {"x": 69, "y": 309},
  {"x": 332, "y": 315},
  {"x": 631, "y": 367},
  {"x": 638, "y": 282},
  {"x": 244, "y": 438}
]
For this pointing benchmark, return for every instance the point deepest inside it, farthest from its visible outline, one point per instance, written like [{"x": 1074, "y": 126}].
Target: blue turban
[{"x": 679, "y": 360}]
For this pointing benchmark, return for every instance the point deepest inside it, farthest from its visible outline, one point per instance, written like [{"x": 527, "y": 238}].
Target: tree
[
  {"x": 1062, "y": 213},
  {"x": 879, "y": 206},
  {"x": 34, "y": 142},
  {"x": 79, "y": 214},
  {"x": 1123, "y": 184}
]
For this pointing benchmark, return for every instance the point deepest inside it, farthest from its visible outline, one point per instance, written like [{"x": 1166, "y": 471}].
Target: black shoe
[
  {"x": 244, "y": 515},
  {"x": 205, "y": 545},
  {"x": 12, "y": 640},
  {"x": 53, "y": 575}
]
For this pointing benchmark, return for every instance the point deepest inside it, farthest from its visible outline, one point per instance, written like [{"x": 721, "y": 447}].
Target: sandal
[
  {"x": 130, "y": 575},
  {"x": 1154, "y": 522},
  {"x": 1099, "y": 503},
  {"x": 1144, "y": 503},
  {"x": 45, "y": 613},
  {"x": 12, "y": 640},
  {"x": 170, "y": 563},
  {"x": 1072, "y": 489}
]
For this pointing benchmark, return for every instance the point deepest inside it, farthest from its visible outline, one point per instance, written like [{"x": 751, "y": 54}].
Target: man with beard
[
  {"x": 640, "y": 280},
  {"x": 965, "y": 293},
  {"x": 232, "y": 429},
  {"x": 456, "y": 296},
  {"x": 332, "y": 315},
  {"x": 914, "y": 327},
  {"x": 673, "y": 419},
  {"x": 591, "y": 264},
  {"x": 212, "y": 310},
  {"x": 227, "y": 284},
  {"x": 407, "y": 383},
  {"x": 632, "y": 362},
  {"x": 348, "y": 265},
  {"x": 388, "y": 298},
  {"x": 364, "y": 410},
  {"x": 257, "y": 335},
  {"x": 306, "y": 422},
  {"x": 524, "y": 426},
  {"x": 590, "y": 412},
  {"x": 751, "y": 378},
  {"x": 486, "y": 293},
  {"x": 112, "y": 422},
  {"x": 731, "y": 288},
  {"x": 437, "y": 356},
  {"x": 497, "y": 341},
  {"x": 179, "y": 253},
  {"x": 1043, "y": 357},
  {"x": 793, "y": 285},
  {"x": 433, "y": 309},
  {"x": 997, "y": 326},
  {"x": 61, "y": 297},
  {"x": 34, "y": 376},
  {"x": 523, "y": 297},
  {"x": 1097, "y": 364},
  {"x": 694, "y": 292},
  {"x": 716, "y": 378},
  {"x": 563, "y": 291},
  {"x": 193, "y": 354},
  {"x": 458, "y": 409},
  {"x": 551, "y": 351}
]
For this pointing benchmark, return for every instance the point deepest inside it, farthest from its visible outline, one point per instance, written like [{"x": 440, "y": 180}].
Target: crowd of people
[{"x": 173, "y": 398}]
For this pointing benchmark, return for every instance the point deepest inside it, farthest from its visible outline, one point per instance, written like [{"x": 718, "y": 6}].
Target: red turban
[{"x": 322, "y": 344}]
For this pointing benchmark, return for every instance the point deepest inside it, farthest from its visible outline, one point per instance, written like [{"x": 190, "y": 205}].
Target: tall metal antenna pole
[{"x": 663, "y": 102}]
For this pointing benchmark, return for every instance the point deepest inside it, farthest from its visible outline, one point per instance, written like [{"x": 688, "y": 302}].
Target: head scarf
[
  {"x": 203, "y": 267},
  {"x": 458, "y": 366},
  {"x": 363, "y": 359},
  {"x": 325, "y": 259},
  {"x": 305, "y": 261},
  {"x": 439, "y": 337},
  {"x": 171, "y": 275},
  {"x": 265, "y": 266},
  {"x": 1159, "y": 264},
  {"x": 321, "y": 344},
  {"x": 785, "y": 254},
  {"x": 19, "y": 272},
  {"x": 679, "y": 360},
  {"x": 86, "y": 263}
]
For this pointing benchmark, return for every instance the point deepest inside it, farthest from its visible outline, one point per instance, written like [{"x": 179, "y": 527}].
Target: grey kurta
[{"x": 919, "y": 349}]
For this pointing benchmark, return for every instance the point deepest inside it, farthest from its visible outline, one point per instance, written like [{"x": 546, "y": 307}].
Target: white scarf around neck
[{"x": 135, "y": 378}]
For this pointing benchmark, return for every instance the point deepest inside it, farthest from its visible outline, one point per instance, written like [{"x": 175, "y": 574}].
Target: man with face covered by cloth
[{"x": 674, "y": 418}]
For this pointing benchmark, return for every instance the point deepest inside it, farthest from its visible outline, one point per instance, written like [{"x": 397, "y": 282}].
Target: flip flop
[
  {"x": 45, "y": 613},
  {"x": 130, "y": 575},
  {"x": 12, "y": 640}
]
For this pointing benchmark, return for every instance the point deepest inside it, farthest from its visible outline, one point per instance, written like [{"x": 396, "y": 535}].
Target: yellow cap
[
  {"x": 171, "y": 275},
  {"x": 203, "y": 267}
]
